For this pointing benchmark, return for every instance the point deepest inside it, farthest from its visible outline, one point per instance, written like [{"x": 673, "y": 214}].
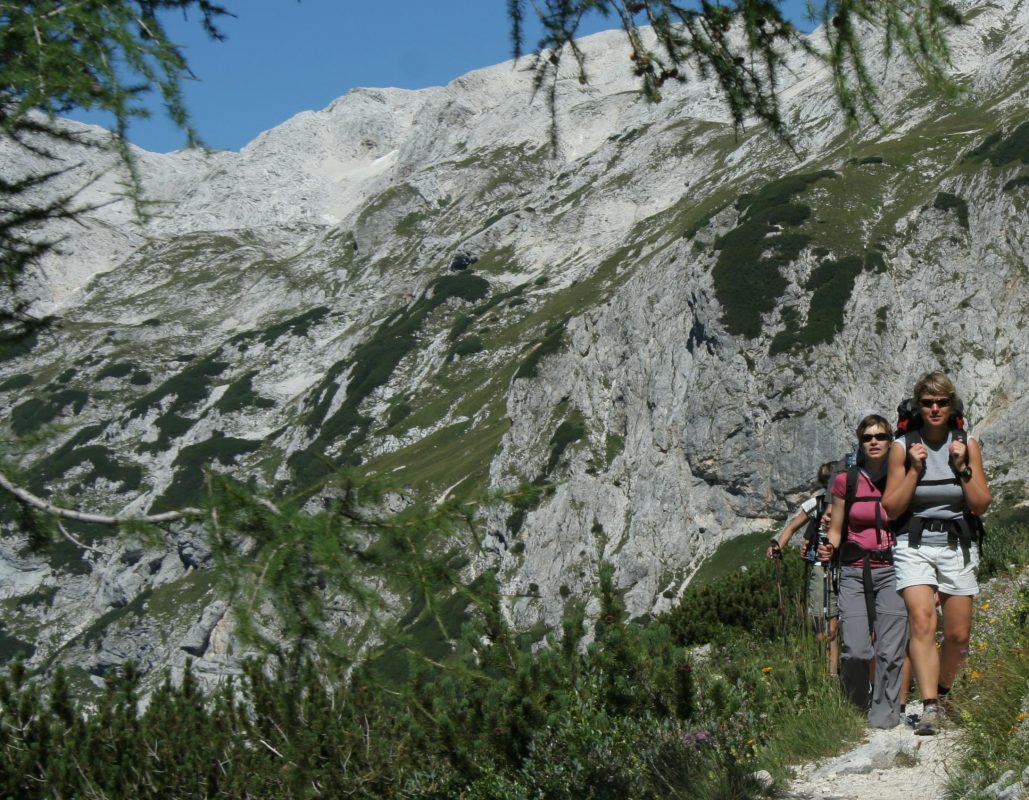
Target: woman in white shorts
[{"x": 935, "y": 484}]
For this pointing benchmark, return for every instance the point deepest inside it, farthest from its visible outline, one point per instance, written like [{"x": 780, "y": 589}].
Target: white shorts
[{"x": 942, "y": 567}]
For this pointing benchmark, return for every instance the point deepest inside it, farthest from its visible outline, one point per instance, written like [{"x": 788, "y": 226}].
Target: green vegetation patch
[
  {"x": 241, "y": 394},
  {"x": 570, "y": 431},
  {"x": 553, "y": 339},
  {"x": 188, "y": 387},
  {"x": 723, "y": 600},
  {"x": 1014, "y": 148},
  {"x": 398, "y": 413},
  {"x": 748, "y": 272},
  {"x": 187, "y": 487},
  {"x": 12, "y": 647},
  {"x": 169, "y": 426},
  {"x": 882, "y": 314},
  {"x": 370, "y": 367},
  {"x": 17, "y": 344},
  {"x": 103, "y": 463},
  {"x": 19, "y": 381},
  {"x": 394, "y": 196},
  {"x": 36, "y": 412},
  {"x": 1000, "y": 150},
  {"x": 469, "y": 345},
  {"x": 299, "y": 325},
  {"x": 831, "y": 284},
  {"x": 945, "y": 201},
  {"x": 1010, "y": 186},
  {"x": 982, "y": 150},
  {"x": 614, "y": 446},
  {"x": 94, "y": 634},
  {"x": 117, "y": 370}
]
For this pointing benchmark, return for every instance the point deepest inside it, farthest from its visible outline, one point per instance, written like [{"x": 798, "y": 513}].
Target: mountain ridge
[{"x": 670, "y": 321}]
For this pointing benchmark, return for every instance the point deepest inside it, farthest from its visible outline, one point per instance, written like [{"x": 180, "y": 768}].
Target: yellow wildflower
[
  {"x": 766, "y": 670},
  {"x": 1021, "y": 716},
  {"x": 993, "y": 620},
  {"x": 981, "y": 646},
  {"x": 985, "y": 606},
  {"x": 976, "y": 674}
]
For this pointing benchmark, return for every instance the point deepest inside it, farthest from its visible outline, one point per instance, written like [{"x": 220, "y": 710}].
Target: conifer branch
[{"x": 26, "y": 498}]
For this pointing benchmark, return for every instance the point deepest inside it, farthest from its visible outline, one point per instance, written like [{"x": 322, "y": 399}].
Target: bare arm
[
  {"x": 901, "y": 481},
  {"x": 977, "y": 493},
  {"x": 791, "y": 528}
]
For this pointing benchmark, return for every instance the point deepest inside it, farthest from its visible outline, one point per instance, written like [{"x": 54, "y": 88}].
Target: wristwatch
[{"x": 965, "y": 474}]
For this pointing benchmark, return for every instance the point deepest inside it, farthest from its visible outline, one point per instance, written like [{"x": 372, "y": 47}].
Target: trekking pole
[
  {"x": 777, "y": 557},
  {"x": 827, "y": 637}
]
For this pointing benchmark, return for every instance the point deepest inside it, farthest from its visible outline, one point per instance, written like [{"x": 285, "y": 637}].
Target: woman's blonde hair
[{"x": 935, "y": 383}]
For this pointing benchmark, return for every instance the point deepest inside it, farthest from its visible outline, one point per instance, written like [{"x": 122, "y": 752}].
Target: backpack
[
  {"x": 909, "y": 419},
  {"x": 814, "y": 527},
  {"x": 909, "y": 423}
]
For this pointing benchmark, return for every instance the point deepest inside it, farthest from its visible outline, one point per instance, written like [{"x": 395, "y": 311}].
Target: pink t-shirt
[{"x": 861, "y": 527}]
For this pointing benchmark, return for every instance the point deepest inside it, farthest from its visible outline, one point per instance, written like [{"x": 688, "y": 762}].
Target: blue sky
[{"x": 283, "y": 56}]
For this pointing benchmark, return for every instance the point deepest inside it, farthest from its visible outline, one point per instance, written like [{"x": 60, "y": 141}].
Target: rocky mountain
[{"x": 671, "y": 321}]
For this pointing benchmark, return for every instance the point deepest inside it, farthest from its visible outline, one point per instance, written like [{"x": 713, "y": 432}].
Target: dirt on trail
[{"x": 887, "y": 765}]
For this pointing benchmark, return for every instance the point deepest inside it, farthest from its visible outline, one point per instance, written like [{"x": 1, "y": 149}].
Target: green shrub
[
  {"x": 398, "y": 413},
  {"x": 102, "y": 463},
  {"x": 568, "y": 432},
  {"x": 187, "y": 487},
  {"x": 169, "y": 426},
  {"x": 748, "y": 272},
  {"x": 1013, "y": 148},
  {"x": 553, "y": 339},
  {"x": 467, "y": 346},
  {"x": 241, "y": 394},
  {"x": 945, "y": 201},
  {"x": 980, "y": 151},
  {"x": 371, "y": 366},
  {"x": 36, "y": 412},
  {"x": 11, "y": 647},
  {"x": 118, "y": 370},
  {"x": 19, "y": 381},
  {"x": 614, "y": 446},
  {"x": 295, "y": 326},
  {"x": 831, "y": 284},
  {"x": 741, "y": 602},
  {"x": 188, "y": 387}
]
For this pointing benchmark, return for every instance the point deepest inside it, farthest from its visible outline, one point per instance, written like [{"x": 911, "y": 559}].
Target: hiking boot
[
  {"x": 911, "y": 720},
  {"x": 930, "y": 721}
]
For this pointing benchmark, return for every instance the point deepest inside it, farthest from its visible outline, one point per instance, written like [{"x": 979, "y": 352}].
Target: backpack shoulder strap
[{"x": 853, "y": 473}]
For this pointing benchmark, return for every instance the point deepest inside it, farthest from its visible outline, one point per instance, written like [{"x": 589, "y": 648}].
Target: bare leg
[
  {"x": 925, "y": 661},
  {"x": 957, "y": 627}
]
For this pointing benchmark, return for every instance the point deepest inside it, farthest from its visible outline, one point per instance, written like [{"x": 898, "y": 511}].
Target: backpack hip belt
[{"x": 962, "y": 530}]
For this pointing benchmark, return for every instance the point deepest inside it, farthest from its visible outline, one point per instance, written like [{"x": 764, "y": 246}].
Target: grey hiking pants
[{"x": 859, "y": 648}]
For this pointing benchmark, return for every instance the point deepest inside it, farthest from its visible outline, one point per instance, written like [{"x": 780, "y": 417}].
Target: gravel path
[
  {"x": 896, "y": 764},
  {"x": 888, "y": 765}
]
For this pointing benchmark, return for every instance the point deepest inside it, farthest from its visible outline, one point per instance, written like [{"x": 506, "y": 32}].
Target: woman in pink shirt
[{"x": 873, "y": 618}]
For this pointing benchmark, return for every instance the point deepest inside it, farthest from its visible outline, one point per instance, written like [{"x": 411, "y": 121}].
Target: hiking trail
[{"x": 887, "y": 765}]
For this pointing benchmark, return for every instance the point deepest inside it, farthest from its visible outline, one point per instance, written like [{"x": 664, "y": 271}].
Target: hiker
[
  {"x": 873, "y": 619},
  {"x": 936, "y": 490},
  {"x": 813, "y": 518}
]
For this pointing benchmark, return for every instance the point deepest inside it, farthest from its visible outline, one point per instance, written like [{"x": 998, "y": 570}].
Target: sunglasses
[
  {"x": 929, "y": 402},
  {"x": 879, "y": 437}
]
